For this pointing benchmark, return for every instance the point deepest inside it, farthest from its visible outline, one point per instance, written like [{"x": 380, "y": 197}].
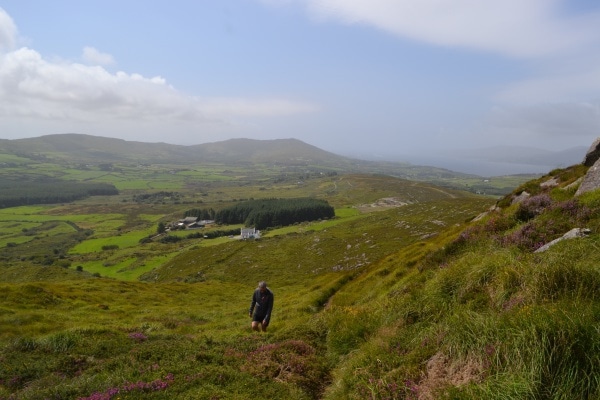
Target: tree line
[
  {"x": 265, "y": 213},
  {"x": 18, "y": 193}
]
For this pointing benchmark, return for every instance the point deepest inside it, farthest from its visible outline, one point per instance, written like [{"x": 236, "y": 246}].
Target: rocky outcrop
[
  {"x": 593, "y": 154},
  {"x": 591, "y": 180}
]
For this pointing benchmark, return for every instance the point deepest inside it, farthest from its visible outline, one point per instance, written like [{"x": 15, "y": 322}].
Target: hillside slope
[
  {"x": 406, "y": 297},
  {"x": 484, "y": 316}
]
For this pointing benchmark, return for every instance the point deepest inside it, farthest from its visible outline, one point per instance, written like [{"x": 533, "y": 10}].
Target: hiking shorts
[{"x": 258, "y": 318}]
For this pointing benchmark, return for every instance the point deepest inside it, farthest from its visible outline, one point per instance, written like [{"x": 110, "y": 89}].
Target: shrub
[
  {"x": 291, "y": 361},
  {"x": 138, "y": 336},
  {"x": 532, "y": 207},
  {"x": 170, "y": 239},
  {"x": 130, "y": 387},
  {"x": 533, "y": 235}
]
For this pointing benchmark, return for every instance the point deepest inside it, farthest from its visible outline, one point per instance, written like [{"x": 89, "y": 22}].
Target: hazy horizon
[
  {"x": 506, "y": 160},
  {"x": 378, "y": 77}
]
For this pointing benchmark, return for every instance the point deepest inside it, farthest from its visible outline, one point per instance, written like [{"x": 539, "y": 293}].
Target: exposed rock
[
  {"x": 523, "y": 196},
  {"x": 384, "y": 203},
  {"x": 550, "y": 183},
  {"x": 492, "y": 209},
  {"x": 593, "y": 154},
  {"x": 572, "y": 234},
  {"x": 573, "y": 185},
  {"x": 591, "y": 180}
]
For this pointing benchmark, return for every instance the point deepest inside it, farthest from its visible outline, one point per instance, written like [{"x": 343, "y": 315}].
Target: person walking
[{"x": 261, "y": 307}]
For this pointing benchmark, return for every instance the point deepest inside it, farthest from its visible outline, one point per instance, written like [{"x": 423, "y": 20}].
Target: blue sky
[{"x": 389, "y": 78}]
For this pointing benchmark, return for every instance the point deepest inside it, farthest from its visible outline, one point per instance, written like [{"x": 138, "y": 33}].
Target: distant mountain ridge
[{"x": 88, "y": 148}]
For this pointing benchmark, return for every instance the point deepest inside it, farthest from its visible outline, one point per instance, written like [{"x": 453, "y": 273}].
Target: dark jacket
[{"x": 262, "y": 304}]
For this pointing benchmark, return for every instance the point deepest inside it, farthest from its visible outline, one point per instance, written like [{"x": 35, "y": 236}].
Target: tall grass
[{"x": 484, "y": 317}]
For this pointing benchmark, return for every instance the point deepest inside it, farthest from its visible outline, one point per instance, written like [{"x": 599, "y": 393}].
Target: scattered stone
[
  {"x": 492, "y": 209},
  {"x": 550, "y": 183},
  {"x": 572, "y": 234}
]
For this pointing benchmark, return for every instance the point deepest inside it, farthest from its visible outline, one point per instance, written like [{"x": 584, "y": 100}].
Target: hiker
[{"x": 261, "y": 307}]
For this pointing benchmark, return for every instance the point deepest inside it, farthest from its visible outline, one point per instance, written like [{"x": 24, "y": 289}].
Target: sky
[{"x": 389, "y": 79}]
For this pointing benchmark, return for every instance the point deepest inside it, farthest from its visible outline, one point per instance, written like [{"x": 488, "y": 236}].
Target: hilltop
[
  {"x": 87, "y": 148},
  {"x": 78, "y": 150}
]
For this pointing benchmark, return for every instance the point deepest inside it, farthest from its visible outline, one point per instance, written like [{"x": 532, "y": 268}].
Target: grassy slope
[
  {"x": 482, "y": 317},
  {"x": 387, "y": 304},
  {"x": 99, "y": 334}
]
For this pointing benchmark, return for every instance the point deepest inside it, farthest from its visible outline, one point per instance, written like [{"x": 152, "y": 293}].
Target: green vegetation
[
  {"x": 14, "y": 193},
  {"x": 266, "y": 213},
  {"x": 402, "y": 294}
]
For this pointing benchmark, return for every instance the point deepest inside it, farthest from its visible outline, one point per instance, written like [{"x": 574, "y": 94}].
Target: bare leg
[{"x": 255, "y": 326}]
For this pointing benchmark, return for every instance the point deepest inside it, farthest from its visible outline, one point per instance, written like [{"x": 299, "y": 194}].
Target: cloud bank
[
  {"x": 553, "y": 40},
  {"x": 36, "y": 88},
  {"x": 516, "y": 28},
  {"x": 93, "y": 56}
]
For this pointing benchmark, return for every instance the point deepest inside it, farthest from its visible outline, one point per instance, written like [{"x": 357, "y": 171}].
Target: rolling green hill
[
  {"x": 87, "y": 148},
  {"x": 46, "y": 155},
  {"x": 412, "y": 291}
]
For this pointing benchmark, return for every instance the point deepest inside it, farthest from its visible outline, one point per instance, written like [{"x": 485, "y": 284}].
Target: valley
[{"x": 404, "y": 294}]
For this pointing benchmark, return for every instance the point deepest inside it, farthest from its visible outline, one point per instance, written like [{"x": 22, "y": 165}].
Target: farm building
[{"x": 250, "y": 233}]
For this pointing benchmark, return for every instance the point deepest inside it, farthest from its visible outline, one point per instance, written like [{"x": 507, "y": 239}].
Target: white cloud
[
  {"x": 92, "y": 56},
  {"x": 560, "y": 48},
  {"x": 517, "y": 28},
  {"x": 33, "y": 87},
  {"x": 8, "y": 31}
]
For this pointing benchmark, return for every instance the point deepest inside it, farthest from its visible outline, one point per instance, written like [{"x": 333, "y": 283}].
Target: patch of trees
[
  {"x": 170, "y": 239},
  {"x": 200, "y": 213},
  {"x": 275, "y": 212},
  {"x": 158, "y": 197},
  {"x": 21, "y": 193}
]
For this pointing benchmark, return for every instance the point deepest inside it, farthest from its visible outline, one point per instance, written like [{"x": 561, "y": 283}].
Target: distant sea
[{"x": 487, "y": 168}]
